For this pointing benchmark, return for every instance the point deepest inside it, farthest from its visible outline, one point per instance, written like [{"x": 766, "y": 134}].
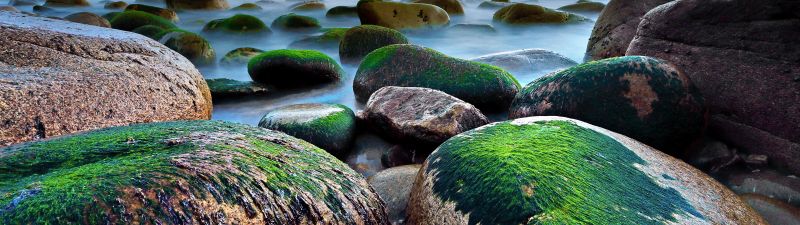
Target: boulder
[
  {"x": 88, "y": 18},
  {"x": 325, "y": 42},
  {"x": 247, "y": 7},
  {"x": 239, "y": 24},
  {"x": 151, "y": 31},
  {"x": 361, "y": 40},
  {"x": 586, "y": 6},
  {"x": 452, "y": 7},
  {"x": 393, "y": 185},
  {"x": 168, "y": 14},
  {"x": 189, "y": 172},
  {"x": 773, "y": 211},
  {"x": 9, "y": 8},
  {"x": 422, "y": 116},
  {"x": 616, "y": 27},
  {"x": 494, "y": 4},
  {"x": 468, "y": 28},
  {"x": 130, "y": 20},
  {"x": 190, "y": 45},
  {"x": 294, "y": 22},
  {"x": 198, "y": 4},
  {"x": 525, "y": 61},
  {"x": 521, "y": 14},
  {"x": 767, "y": 182},
  {"x": 402, "y": 16},
  {"x": 366, "y": 155},
  {"x": 115, "y": 5},
  {"x": 342, "y": 11},
  {"x": 555, "y": 170},
  {"x": 641, "y": 97},
  {"x": 748, "y": 68},
  {"x": 224, "y": 88},
  {"x": 239, "y": 56},
  {"x": 330, "y": 127},
  {"x": 60, "y": 77},
  {"x": 485, "y": 86},
  {"x": 294, "y": 68},
  {"x": 308, "y": 6},
  {"x": 66, "y": 3}
]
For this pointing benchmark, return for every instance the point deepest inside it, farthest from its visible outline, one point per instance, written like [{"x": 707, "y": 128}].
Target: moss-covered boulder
[
  {"x": 191, "y": 172},
  {"x": 308, "y": 6},
  {"x": 247, "y": 7},
  {"x": 151, "y": 31},
  {"x": 224, "y": 88},
  {"x": 88, "y": 18},
  {"x": 240, "y": 24},
  {"x": 521, "y": 13},
  {"x": 66, "y": 3},
  {"x": 294, "y": 68},
  {"x": 586, "y": 6},
  {"x": 130, "y": 20},
  {"x": 168, "y": 14},
  {"x": 326, "y": 42},
  {"x": 361, "y": 40},
  {"x": 487, "y": 87},
  {"x": 198, "y": 4},
  {"x": 401, "y": 16},
  {"x": 239, "y": 56},
  {"x": 641, "y": 97},
  {"x": 394, "y": 187},
  {"x": 330, "y": 127},
  {"x": 115, "y": 5},
  {"x": 452, "y": 7},
  {"x": 555, "y": 170},
  {"x": 342, "y": 11},
  {"x": 190, "y": 45},
  {"x": 294, "y": 22},
  {"x": 110, "y": 16}
]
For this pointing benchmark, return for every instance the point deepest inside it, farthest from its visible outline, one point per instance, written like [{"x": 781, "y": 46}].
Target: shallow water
[{"x": 567, "y": 39}]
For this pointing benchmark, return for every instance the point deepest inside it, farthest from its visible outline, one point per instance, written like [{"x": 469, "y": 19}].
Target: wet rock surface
[
  {"x": 290, "y": 68},
  {"x": 747, "y": 69},
  {"x": 539, "y": 165},
  {"x": 616, "y": 27},
  {"x": 521, "y": 13},
  {"x": 419, "y": 115},
  {"x": 330, "y": 127},
  {"x": 527, "y": 60},
  {"x": 191, "y": 172},
  {"x": 224, "y": 88},
  {"x": 359, "y": 41},
  {"x": 88, "y": 19},
  {"x": 124, "y": 78},
  {"x": 393, "y": 185},
  {"x": 402, "y": 16}
]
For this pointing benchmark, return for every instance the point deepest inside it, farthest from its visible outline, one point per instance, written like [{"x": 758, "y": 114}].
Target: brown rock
[
  {"x": 198, "y": 4},
  {"x": 393, "y": 185},
  {"x": 748, "y": 68},
  {"x": 66, "y": 3},
  {"x": 764, "y": 182},
  {"x": 58, "y": 77},
  {"x": 420, "y": 115},
  {"x": 774, "y": 211},
  {"x": 452, "y": 7},
  {"x": 616, "y": 26},
  {"x": 89, "y": 19},
  {"x": 401, "y": 16}
]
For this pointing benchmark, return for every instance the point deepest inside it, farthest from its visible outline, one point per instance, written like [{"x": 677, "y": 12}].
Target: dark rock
[
  {"x": 123, "y": 78},
  {"x": 325, "y": 42},
  {"x": 342, "y": 11},
  {"x": 764, "y": 182},
  {"x": 66, "y": 3},
  {"x": 294, "y": 68},
  {"x": 586, "y": 6},
  {"x": 190, "y": 45},
  {"x": 361, "y": 40},
  {"x": 527, "y": 60},
  {"x": 294, "y": 22},
  {"x": 239, "y": 24},
  {"x": 88, "y": 18},
  {"x": 130, "y": 20},
  {"x": 745, "y": 68},
  {"x": 330, "y": 127},
  {"x": 527, "y": 170},
  {"x": 393, "y": 185},
  {"x": 116, "y": 5},
  {"x": 485, "y": 86},
  {"x": 521, "y": 13},
  {"x": 197, "y": 4},
  {"x": 616, "y": 27},
  {"x": 641, "y": 97},
  {"x": 422, "y": 116},
  {"x": 773, "y": 211},
  {"x": 365, "y": 157},
  {"x": 168, "y": 14}
]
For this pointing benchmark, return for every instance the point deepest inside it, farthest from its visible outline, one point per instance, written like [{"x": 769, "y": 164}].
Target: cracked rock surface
[{"x": 58, "y": 77}]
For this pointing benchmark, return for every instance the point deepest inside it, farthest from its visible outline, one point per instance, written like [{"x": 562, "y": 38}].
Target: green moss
[
  {"x": 551, "y": 172},
  {"x": 192, "y": 46},
  {"x": 238, "y": 24},
  {"x": 294, "y": 68},
  {"x": 486, "y": 86},
  {"x": 332, "y": 131},
  {"x": 161, "y": 12},
  {"x": 130, "y": 20},
  {"x": 293, "y": 21},
  {"x": 361, "y": 40},
  {"x": 110, "y": 16},
  {"x": 150, "y": 31},
  {"x": 342, "y": 11},
  {"x": 596, "y": 94},
  {"x": 91, "y": 177}
]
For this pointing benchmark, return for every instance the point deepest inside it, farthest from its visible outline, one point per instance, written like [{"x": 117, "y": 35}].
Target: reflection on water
[{"x": 567, "y": 39}]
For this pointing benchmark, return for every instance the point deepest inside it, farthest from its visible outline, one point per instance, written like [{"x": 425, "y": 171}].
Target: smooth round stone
[
  {"x": 359, "y": 41},
  {"x": 168, "y": 14},
  {"x": 247, "y": 7},
  {"x": 289, "y": 68},
  {"x": 308, "y": 6},
  {"x": 192, "y": 46},
  {"x": 328, "y": 41},
  {"x": 115, "y": 5},
  {"x": 555, "y": 170},
  {"x": 239, "y": 24},
  {"x": 223, "y": 88},
  {"x": 330, "y": 127},
  {"x": 66, "y": 3},
  {"x": 295, "y": 22},
  {"x": 133, "y": 19},
  {"x": 521, "y": 14},
  {"x": 641, "y": 97},
  {"x": 485, "y": 86},
  {"x": 773, "y": 211},
  {"x": 402, "y": 16},
  {"x": 616, "y": 27},
  {"x": 527, "y": 61},
  {"x": 239, "y": 56},
  {"x": 342, "y": 12},
  {"x": 88, "y": 18},
  {"x": 189, "y": 172},
  {"x": 586, "y": 6},
  {"x": 197, "y": 4},
  {"x": 393, "y": 185},
  {"x": 452, "y": 7}
]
